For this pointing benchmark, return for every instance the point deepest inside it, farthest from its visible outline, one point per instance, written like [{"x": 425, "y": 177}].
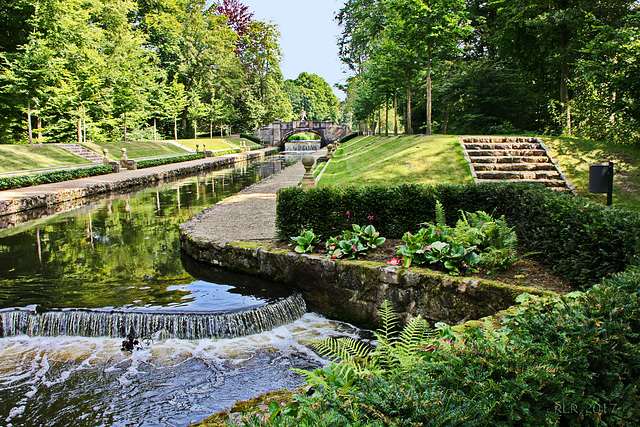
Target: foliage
[
  {"x": 175, "y": 159},
  {"x": 539, "y": 369},
  {"x": 20, "y": 181},
  {"x": 251, "y": 138},
  {"x": 313, "y": 94},
  {"x": 352, "y": 243},
  {"x": 305, "y": 241},
  {"x": 580, "y": 240}
]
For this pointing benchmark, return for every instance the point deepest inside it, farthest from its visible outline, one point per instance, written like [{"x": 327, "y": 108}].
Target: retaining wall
[{"x": 353, "y": 291}]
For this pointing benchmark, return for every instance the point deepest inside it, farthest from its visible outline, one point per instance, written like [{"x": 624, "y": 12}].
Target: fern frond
[{"x": 440, "y": 217}]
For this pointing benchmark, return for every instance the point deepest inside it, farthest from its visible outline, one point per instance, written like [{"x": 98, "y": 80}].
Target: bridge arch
[{"x": 277, "y": 132}]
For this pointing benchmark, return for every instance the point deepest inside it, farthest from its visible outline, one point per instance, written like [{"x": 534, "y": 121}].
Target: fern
[{"x": 440, "y": 217}]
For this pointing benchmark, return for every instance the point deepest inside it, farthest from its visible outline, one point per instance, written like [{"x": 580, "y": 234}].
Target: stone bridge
[{"x": 277, "y": 132}]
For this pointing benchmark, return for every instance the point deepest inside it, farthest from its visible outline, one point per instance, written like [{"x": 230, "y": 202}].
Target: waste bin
[{"x": 601, "y": 180}]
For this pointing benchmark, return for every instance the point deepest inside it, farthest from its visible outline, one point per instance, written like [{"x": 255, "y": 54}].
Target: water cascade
[
  {"x": 191, "y": 326},
  {"x": 301, "y": 146}
]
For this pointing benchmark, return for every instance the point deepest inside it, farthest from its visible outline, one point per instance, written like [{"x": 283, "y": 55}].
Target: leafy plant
[
  {"x": 305, "y": 241},
  {"x": 351, "y": 243},
  {"x": 369, "y": 236}
]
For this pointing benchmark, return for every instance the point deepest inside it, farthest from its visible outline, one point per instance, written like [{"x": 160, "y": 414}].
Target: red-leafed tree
[{"x": 238, "y": 14}]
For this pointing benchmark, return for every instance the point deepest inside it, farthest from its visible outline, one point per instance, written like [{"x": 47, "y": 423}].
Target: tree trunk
[
  {"x": 39, "y": 121},
  {"x": 446, "y": 118},
  {"x": 428, "y": 130},
  {"x": 175, "y": 128},
  {"x": 195, "y": 129},
  {"x": 395, "y": 112},
  {"x": 211, "y": 129},
  {"x": 125, "y": 127},
  {"x": 84, "y": 125},
  {"x": 386, "y": 115},
  {"x": 564, "y": 80},
  {"x": 29, "y": 128},
  {"x": 79, "y": 130},
  {"x": 409, "y": 127},
  {"x": 155, "y": 130}
]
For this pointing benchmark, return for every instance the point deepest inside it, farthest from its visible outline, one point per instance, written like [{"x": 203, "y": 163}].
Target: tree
[{"x": 312, "y": 93}]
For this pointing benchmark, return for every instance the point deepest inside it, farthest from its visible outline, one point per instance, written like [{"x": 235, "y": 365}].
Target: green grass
[
  {"x": 135, "y": 149},
  {"x": 435, "y": 159},
  {"x": 212, "y": 144},
  {"x": 575, "y": 156},
  {"x": 25, "y": 157}
]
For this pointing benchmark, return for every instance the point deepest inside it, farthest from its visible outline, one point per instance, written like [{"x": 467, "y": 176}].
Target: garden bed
[{"x": 528, "y": 271}]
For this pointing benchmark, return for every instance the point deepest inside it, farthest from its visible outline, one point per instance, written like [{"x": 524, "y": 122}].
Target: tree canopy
[
  {"x": 496, "y": 66},
  {"x": 125, "y": 69}
]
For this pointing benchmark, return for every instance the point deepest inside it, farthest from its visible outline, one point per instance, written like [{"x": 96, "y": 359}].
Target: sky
[{"x": 308, "y": 36}]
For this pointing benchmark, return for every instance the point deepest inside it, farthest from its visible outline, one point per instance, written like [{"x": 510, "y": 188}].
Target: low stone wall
[
  {"x": 353, "y": 291},
  {"x": 11, "y": 206}
]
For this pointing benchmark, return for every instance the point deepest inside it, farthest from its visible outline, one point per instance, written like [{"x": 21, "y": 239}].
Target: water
[{"x": 122, "y": 255}]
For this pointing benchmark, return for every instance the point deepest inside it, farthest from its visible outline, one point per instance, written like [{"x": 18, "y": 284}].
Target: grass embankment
[
  {"x": 26, "y": 157},
  {"x": 435, "y": 159},
  {"x": 225, "y": 143},
  {"x": 135, "y": 149},
  {"x": 575, "y": 156}
]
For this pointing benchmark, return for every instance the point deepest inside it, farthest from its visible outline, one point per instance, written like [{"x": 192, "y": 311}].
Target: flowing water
[{"x": 73, "y": 284}]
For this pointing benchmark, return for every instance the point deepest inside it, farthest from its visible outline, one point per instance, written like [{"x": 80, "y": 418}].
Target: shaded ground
[{"x": 526, "y": 272}]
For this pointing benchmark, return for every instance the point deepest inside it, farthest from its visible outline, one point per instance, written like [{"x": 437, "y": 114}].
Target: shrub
[
  {"x": 580, "y": 240},
  {"x": 251, "y": 138},
  {"x": 21, "y": 181},
  {"x": 141, "y": 164},
  {"x": 349, "y": 137}
]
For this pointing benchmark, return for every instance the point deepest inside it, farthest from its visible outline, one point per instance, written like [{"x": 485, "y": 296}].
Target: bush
[
  {"x": 571, "y": 361},
  {"x": 21, "y": 181},
  {"x": 251, "y": 138},
  {"x": 141, "y": 164},
  {"x": 349, "y": 137},
  {"x": 580, "y": 240}
]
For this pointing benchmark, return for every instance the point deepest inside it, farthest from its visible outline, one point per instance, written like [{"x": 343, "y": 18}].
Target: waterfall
[
  {"x": 301, "y": 146},
  {"x": 115, "y": 324}
]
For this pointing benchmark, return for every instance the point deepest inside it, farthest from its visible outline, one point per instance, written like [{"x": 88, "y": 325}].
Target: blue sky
[{"x": 308, "y": 36}]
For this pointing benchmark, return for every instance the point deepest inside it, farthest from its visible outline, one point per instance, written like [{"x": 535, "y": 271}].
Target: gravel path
[{"x": 248, "y": 215}]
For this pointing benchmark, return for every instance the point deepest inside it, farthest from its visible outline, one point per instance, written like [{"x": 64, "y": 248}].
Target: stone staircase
[
  {"x": 81, "y": 151},
  {"x": 513, "y": 159}
]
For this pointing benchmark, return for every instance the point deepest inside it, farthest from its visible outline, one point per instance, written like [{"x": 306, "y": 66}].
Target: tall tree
[{"x": 313, "y": 94}]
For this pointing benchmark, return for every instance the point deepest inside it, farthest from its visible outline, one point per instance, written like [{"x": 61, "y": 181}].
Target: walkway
[
  {"x": 21, "y": 199},
  {"x": 249, "y": 215}
]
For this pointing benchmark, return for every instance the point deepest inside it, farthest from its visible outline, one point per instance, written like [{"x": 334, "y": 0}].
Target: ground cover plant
[{"x": 21, "y": 181}]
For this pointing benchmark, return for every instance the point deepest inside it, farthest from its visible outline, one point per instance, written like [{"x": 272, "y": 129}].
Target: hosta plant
[{"x": 305, "y": 241}]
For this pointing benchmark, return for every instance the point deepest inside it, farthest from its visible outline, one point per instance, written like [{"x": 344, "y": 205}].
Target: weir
[
  {"x": 114, "y": 324},
  {"x": 301, "y": 146}
]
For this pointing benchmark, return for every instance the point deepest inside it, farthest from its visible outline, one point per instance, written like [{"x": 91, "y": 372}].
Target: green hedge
[
  {"x": 348, "y": 137},
  {"x": 141, "y": 164},
  {"x": 21, "y": 181},
  {"x": 251, "y": 138},
  {"x": 580, "y": 240}
]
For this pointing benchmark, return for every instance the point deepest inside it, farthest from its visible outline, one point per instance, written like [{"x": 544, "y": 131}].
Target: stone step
[
  {"x": 510, "y": 159},
  {"x": 552, "y": 183},
  {"x": 505, "y": 153},
  {"x": 503, "y": 146},
  {"x": 511, "y": 175},
  {"x": 81, "y": 151},
  {"x": 514, "y": 166}
]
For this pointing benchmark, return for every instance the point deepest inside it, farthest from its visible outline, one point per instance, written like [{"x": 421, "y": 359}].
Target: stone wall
[
  {"x": 353, "y": 291},
  {"x": 47, "y": 199}
]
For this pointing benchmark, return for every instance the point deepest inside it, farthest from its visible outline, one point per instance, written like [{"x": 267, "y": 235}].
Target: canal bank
[{"x": 27, "y": 198}]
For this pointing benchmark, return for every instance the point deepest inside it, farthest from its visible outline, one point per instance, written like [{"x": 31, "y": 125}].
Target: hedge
[
  {"x": 251, "y": 138},
  {"x": 141, "y": 164},
  {"x": 580, "y": 240},
  {"x": 348, "y": 137},
  {"x": 7, "y": 183}
]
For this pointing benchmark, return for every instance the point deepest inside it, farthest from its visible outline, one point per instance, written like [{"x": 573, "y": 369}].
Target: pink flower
[
  {"x": 394, "y": 261},
  {"x": 427, "y": 248},
  {"x": 354, "y": 248},
  {"x": 438, "y": 232},
  {"x": 348, "y": 213},
  {"x": 370, "y": 217}
]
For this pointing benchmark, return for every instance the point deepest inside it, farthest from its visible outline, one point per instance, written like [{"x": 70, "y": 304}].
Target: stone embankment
[{"x": 41, "y": 196}]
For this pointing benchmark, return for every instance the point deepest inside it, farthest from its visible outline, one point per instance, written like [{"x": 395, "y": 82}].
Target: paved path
[
  {"x": 20, "y": 199},
  {"x": 249, "y": 215}
]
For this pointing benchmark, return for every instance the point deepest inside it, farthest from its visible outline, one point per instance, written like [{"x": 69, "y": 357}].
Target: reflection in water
[{"x": 123, "y": 252}]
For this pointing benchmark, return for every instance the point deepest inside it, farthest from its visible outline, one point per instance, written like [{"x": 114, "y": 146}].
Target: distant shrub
[
  {"x": 251, "y": 138},
  {"x": 11, "y": 182},
  {"x": 348, "y": 137}
]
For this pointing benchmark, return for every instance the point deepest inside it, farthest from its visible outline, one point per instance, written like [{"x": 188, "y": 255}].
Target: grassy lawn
[
  {"x": 24, "y": 157},
  {"x": 136, "y": 149},
  {"x": 575, "y": 156},
  {"x": 435, "y": 159}
]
